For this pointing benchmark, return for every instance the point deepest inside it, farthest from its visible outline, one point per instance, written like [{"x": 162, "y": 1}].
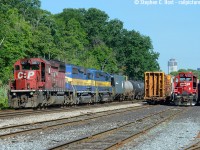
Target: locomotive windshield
[
  {"x": 28, "y": 66},
  {"x": 35, "y": 67},
  {"x": 185, "y": 79},
  {"x": 17, "y": 67}
]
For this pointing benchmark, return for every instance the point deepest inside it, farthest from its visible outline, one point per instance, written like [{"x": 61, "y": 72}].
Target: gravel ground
[
  {"x": 48, "y": 138},
  {"x": 52, "y": 116},
  {"x": 109, "y": 139},
  {"x": 65, "y": 120},
  {"x": 173, "y": 135}
]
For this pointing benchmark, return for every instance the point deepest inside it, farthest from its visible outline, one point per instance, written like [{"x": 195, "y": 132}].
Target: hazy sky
[{"x": 174, "y": 29}]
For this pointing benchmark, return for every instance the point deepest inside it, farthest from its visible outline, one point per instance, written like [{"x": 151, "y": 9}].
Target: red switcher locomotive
[{"x": 185, "y": 91}]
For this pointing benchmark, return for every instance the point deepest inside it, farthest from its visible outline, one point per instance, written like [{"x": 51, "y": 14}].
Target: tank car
[
  {"x": 127, "y": 89},
  {"x": 185, "y": 90},
  {"x": 138, "y": 87}
]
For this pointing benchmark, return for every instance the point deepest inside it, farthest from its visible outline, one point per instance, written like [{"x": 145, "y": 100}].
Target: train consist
[
  {"x": 179, "y": 90},
  {"x": 41, "y": 83}
]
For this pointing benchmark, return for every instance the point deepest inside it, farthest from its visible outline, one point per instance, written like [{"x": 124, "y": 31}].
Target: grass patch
[{"x": 3, "y": 96}]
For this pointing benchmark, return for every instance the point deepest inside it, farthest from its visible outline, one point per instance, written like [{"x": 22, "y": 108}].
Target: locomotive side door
[
  {"x": 47, "y": 74},
  {"x": 43, "y": 72}
]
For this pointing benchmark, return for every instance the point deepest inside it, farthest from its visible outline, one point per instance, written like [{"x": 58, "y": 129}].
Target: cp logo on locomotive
[{"x": 23, "y": 75}]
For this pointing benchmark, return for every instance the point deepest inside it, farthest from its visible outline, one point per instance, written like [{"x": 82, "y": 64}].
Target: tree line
[{"x": 85, "y": 37}]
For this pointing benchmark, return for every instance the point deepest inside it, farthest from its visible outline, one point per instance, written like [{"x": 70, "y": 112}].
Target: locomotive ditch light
[
  {"x": 28, "y": 85},
  {"x": 14, "y": 93}
]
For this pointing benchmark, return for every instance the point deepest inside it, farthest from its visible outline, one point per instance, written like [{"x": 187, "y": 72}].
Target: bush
[{"x": 3, "y": 96}]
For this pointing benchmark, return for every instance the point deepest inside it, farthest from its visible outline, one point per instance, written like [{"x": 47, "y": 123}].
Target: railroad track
[
  {"x": 18, "y": 113},
  {"x": 195, "y": 146},
  {"x": 118, "y": 136},
  {"x": 15, "y": 130}
]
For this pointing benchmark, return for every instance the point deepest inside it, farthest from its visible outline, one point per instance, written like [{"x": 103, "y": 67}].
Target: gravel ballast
[
  {"x": 173, "y": 135},
  {"x": 53, "y": 116},
  {"x": 46, "y": 139}
]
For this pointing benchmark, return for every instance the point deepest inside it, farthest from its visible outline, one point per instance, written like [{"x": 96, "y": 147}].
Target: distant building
[
  {"x": 172, "y": 65},
  {"x": 198, "y": 69}
]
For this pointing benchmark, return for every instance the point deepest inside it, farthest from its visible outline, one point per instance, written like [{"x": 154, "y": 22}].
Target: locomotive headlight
[
  {"x": 28, "y": 85},
  {"x": 31, "y": 93},
  {"x": 14, "y": 93}
]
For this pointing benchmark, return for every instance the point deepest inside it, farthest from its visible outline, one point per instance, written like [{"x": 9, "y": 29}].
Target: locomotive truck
[{"x": 40, "y": 83}]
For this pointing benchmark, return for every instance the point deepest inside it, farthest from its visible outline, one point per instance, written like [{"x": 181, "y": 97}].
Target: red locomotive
[
  {"x": 185, "y": 90},
  {"x": 33, "y": 77}
]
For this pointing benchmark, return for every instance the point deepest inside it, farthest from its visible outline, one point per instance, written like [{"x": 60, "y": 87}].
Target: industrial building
[{"x": 172, "y": 65}]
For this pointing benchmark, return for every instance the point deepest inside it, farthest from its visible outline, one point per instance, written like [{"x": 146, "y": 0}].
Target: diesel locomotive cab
[
  {"x": 29, "y": 77},
  {"x": 185, "y": 89}
]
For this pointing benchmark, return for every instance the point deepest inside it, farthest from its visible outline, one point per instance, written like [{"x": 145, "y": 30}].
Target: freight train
[
  {"x": 40, "y": 83},
  {"x": 179, "y": 90}
]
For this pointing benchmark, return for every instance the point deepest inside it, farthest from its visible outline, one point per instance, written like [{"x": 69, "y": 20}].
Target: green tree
[
  {"x": 17, "y": 36},
  {"x": 105, "y": 59},
  {"x": 136, "y": 55},
  {"x": 78, "y": 36},
  {"x": 73, "y": 42}
]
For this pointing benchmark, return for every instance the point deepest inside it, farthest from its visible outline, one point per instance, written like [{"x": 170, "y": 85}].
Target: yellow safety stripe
[
  {"x": 103, "y": 83},
  {"x": 82, "y": 82}
]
